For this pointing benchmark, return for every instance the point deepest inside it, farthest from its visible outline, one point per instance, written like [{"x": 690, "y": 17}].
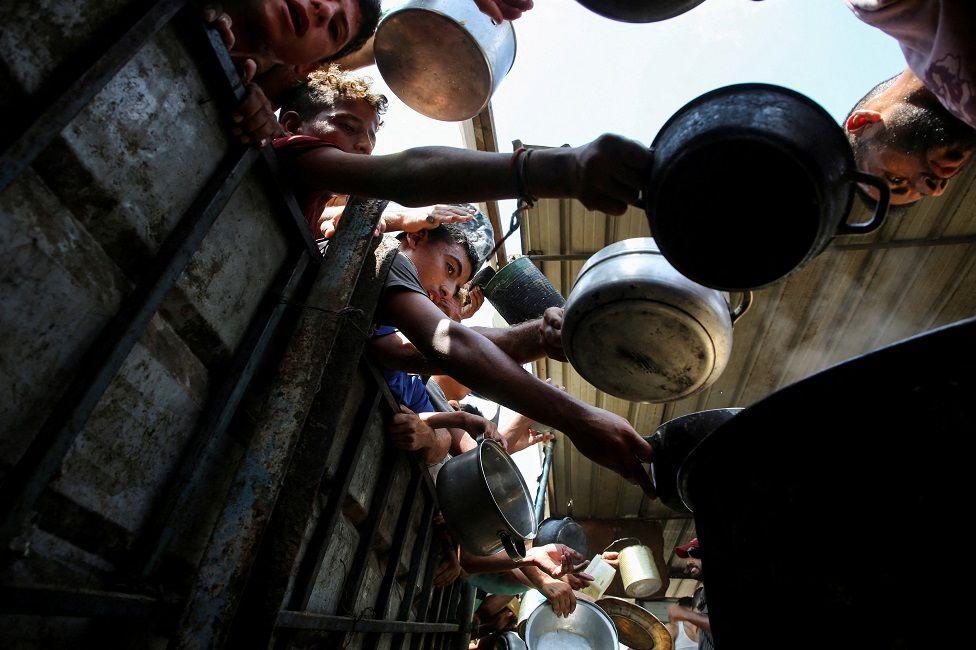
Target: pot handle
[
  {"x": 880, "y": 211},
  {"x": 514, "y": 546},
  {"x": 745, "y": 302}
]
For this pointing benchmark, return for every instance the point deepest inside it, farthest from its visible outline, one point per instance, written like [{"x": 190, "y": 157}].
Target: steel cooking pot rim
[
  {"x": 756, "y": 85},
  {"x": 497, "y": 448},
  {"x": 737, "y": 410},
  {"x": 484, "y": 55}
]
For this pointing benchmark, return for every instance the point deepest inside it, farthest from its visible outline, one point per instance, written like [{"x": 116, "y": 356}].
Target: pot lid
[
  {"x": 637, "y": 628},
  {"x": 643, "y": 351}
]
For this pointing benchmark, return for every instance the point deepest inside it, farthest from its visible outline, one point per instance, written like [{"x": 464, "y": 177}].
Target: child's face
[
  {"x": 294, "y": 32},
  {"x": 443, "y": 268},
  {"x": 350, "y": 125}
]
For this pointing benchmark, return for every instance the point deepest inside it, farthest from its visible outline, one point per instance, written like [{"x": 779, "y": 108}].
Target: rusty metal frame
[
  {"x": 27, "y": 480},
  {"x": 76, "y": 83},
  {"x": 233, "y": 546}
]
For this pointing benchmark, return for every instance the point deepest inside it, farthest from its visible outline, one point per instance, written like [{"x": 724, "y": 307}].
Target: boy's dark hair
[
  {"x": 687, "y": 602},
  {"x": 450, "y": 233},
  {"x": 321, "y": 89},
  {"x": 369, "y": 17}
]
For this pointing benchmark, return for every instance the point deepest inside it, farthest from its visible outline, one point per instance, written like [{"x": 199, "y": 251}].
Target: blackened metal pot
[
  {"x": 640, "y": 11},
  {"x": 485, "y": 501},
  {"x": 672, "y": 442},
  {"x": 821, "y": 494},
  {"x": 749, "y": 183}
]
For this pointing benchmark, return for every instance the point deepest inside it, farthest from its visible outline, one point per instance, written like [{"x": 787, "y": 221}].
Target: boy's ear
[
  {"x": 415, "y": 239},
  {"x": 291, "y": 122}
]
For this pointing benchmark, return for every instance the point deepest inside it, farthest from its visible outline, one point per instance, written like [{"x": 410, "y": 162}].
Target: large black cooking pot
[
  {"x": 672, "y": 442},
  {"x": 841, "y": 499},
  {"x": 640, "y": 11},
  {"x": 749, "y": 182}
]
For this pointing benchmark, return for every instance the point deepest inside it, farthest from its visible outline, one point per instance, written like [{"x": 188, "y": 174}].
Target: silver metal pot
[
  {"x": 587, "y": 627},
  {"x": 443, "y": 58},
  {"x": 485, "y": 501},
  {"x": 637, "y": 329}
]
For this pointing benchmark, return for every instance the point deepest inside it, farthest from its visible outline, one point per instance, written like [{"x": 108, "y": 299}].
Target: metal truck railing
[{"x": 200, "y": 461}]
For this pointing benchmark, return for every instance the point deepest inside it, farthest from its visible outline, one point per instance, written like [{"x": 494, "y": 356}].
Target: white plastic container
[{"x": 603, "y": 575}]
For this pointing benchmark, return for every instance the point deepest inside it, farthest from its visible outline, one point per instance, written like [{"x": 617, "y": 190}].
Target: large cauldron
[{"x": 839, "y": 497}]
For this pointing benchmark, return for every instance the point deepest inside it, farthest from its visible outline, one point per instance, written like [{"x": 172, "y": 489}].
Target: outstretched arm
[
  {"x": 606, "y": 174},
  {"x": 477, "y": 362},
  {"x": 522, "y": 343}
]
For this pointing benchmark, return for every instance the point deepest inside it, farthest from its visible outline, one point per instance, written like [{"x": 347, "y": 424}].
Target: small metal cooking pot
[
  {"x": 640, "y": 11},
  {"x": 587, "y": 627},
  {"x": 485, "y": 501},
  {"x": 563, "y": 531},
  {"x": 672, "y": 442},
  {"x": 749, "y": 182},
  {"x": 443, "y": 58},
  {"x": 636, "y": 328}
]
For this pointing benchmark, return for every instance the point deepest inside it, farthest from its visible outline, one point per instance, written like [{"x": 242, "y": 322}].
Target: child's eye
[{"x": 348, "y": 129}]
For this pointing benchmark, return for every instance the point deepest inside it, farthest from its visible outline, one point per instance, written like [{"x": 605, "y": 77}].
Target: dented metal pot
[
  {"x": 637, "y": 329},
  {"x": 443, "y": 59}
]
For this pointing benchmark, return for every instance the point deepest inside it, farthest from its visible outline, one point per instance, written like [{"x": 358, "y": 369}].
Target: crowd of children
[{"x": 322, "y": 123}]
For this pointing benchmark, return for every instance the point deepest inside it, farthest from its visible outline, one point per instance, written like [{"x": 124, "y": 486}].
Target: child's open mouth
[{"x": 298, "y": 16}]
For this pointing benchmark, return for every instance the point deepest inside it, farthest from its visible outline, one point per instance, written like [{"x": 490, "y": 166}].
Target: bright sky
[{"x": 577, "y": 75}]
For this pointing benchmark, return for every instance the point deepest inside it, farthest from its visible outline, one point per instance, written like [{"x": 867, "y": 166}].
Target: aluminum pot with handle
[
  {"x": 443, "y": 58},
  {"x": 749, "y": 182},
  {"x": 637, "y": 329},
  {"x": 485, "y": 502}
]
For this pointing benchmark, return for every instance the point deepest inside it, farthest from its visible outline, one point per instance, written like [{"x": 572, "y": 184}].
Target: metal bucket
[
  {"x": 638, "y": 571},
  {"x": 520, "y": 292},
  {"x": 443, "y": 58}
]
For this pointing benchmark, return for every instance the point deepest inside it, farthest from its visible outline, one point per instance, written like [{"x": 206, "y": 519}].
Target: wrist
[{"x": 550, "y": 172}]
